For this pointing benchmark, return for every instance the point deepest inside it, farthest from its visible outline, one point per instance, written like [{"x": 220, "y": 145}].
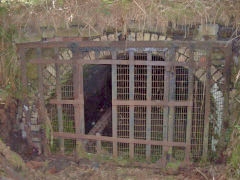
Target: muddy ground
[
  {"x": 86, "y": 169},
  {"x": 24, "y": 164},
  {"x": 66, "y": 168}
]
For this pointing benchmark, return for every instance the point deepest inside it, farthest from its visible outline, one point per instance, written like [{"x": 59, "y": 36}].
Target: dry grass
[{"x": 95, "y": 16}]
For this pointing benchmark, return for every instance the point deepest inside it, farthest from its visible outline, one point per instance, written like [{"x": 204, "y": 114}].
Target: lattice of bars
[
  {"x": 140, "y": 56},
  {"x": 123, "y": 130},
  {"x": 156, "y": 131},
  {"x": 49, "y": 80},
  {"x": 123, "y": 56},
  {"x": 68, "y": 118},
  {"x": 67, "y": 124},
  {"x": 157, "y": 123},
  {"x": 198, "y": 116},
  {"x": 140, "y": 82},
  {"x": 107, "y": 148},
  {"x": 180, "y": 124},
  {"x": 140, "y": 131},
  {"x": 66, "y": 81},
  {"x": 216, "y": 117},
  {"x": 91, "y": 146},
  {"x": 179, "y": 133},
  {"x": 181, "y": 83},
  {"x": 123, "y": 121},
  {"x": 158, "y": 82},
  {"x": 159, "y": 56},
  {"x": 52, "y": 113},
  {"x": 140, "y": 122},
  {"x": 178, "y": 153},
  {"x": 122, "y": 82},
  {"x": 156, "y": 153}
]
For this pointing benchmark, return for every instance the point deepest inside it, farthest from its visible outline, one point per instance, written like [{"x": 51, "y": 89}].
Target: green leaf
[{"x": 108, "y": 1}]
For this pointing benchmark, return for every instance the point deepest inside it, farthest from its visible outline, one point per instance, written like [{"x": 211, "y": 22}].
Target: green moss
[
  {"x": 64, "y": 32},
  {"x": 173, "y": 165},
  {"x": 13, "y": 158},
  {"x": 32, "y": 71},
  {"x": 80, "y": 151},
  {"x": 234, "y": 162}
]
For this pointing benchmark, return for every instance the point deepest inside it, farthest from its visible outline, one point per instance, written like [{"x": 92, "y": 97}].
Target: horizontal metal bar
[
  {"x": 152, "y": 103},
  {"x": 129, "y": 102},
  {"x": 120, "y": 44},
  {"x": 115, "y": 139},
  {"x": 109, "y": 61},
  {"x": 56, "y": 101}
]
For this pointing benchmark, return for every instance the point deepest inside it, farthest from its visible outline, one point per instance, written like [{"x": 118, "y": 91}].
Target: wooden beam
[
  {"x": 114, "y": 107},
  {"x": 207, "y": 104},
  {"x": 189, "y": 108},
  {"x": 109, "y": 61},
  {"x": 117, "y": 140},
  {"x": 131, "y": 106},
  {"x": 149, "y": 107},
  {"x": 118, "y": 44},
  {"x": 171, "y": 97},
  {"x": 59, "y": 98}
]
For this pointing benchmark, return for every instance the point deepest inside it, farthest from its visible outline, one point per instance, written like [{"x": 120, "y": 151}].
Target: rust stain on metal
[{"x": 161, "y": 94}]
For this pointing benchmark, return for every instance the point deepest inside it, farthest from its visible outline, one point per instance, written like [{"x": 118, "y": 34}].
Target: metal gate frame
[{"x": 78, "y": 48}]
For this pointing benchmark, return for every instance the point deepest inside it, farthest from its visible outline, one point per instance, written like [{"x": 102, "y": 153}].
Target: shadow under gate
[{"x": 167, "y": 97}]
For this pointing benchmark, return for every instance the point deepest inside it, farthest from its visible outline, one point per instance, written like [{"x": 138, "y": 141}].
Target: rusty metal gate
[{"x": 168, "y": 97}]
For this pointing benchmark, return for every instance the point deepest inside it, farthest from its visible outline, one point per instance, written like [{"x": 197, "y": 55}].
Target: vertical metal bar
[
  {"x": 59, "y": 97},
  {"x": 172, "y": 88},
  {"x": 207, "y": 104},
  {"x": 114, "y": 107},
  {"x": 190, "y": 107},
  {"x": 165, "y": 112},
  {"x": 98, "y": 145},
  {"x": 78, "y": 94},
  {"x": 79, "y": 97},
  {"x": 226, "y": 90},
  {"x": 227, "y": 80},
  {"x": 131, "y": 97},
  {"x": 41, "y": 97},
  {"x": 149, "y": 97}
]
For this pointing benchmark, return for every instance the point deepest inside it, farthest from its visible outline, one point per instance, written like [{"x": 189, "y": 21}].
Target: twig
[
  {"x": 237, "y": 77},
  {"x": 238, "y": 100},
  {"x": 232, "y": 39},
  {"x": 91, "y": 27},
  {"x": 200, "y": 172},
  {"x": 144, "y": 12}
]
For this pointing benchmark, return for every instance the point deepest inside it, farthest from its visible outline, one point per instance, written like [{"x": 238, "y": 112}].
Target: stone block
[
  {"x": 154, "y": 37},
  {"x": 35, "y": 127},
  {"x": 146, "y": 36},
  {"x": 111, "y": 37},
  {"x": 208, "y": 29},
  {"x": 140, "y": 36},
  {"x": 132, "y": 36},
  {"x": 104, "y": 38}
]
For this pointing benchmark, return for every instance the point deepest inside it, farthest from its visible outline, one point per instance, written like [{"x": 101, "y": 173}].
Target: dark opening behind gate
[{"x": 158, "y": 101}]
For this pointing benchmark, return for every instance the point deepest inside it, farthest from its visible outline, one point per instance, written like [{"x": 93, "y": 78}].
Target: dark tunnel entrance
[
  {"x": 97, "y": 95},
  {"x": 158, "y": 97}
]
